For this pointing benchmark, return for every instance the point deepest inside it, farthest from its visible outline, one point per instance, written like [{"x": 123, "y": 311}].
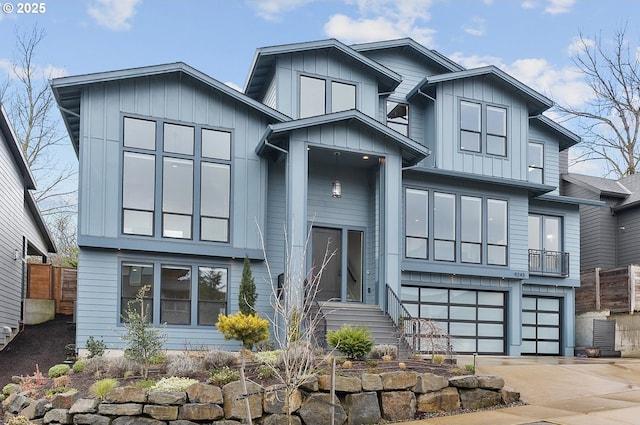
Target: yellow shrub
[{"x": 248, "y": 328}]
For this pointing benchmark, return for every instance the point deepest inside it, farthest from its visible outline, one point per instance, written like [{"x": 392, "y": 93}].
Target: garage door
[
  {"x": 474, "y": 320},
  {"x": 541, "y": 319}
]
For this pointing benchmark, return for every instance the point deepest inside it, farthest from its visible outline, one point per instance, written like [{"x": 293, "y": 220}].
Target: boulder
[
  {"x": 428, "y": 382},
  {"x": 398, "y": 406},
  {"x": 123, "y": 409},
  {"x": 362, "y": 408},
  {"x": 36, "y": 409},
  {"x": 172, "y": 398},
  {"x": 509, "y": 395},
  {"x": 467, "y": 381},
  {"x": 84, "y": 405},
  {"x": 316, "y": 410},
  {"x": 64, "y": 400},
  {"x": 477, "y": 398},
  {"x": 234, "y": 400},
  {"x": 274, "y": 400},
  {"x": 162, "y": 413},
  {"x": 371, "y": 382},
  {"x": 399, "y": 380},
  {"x": 200, "y": 412},
  {"x": 204, "y": 393},
  {"x": 128, "y": 394},
  {"x": 136, "y": 420},
  {"x": 344, "y": 384},
  {"x": 279, "y": 419},
  {"x": 490, "y": 382},
  {"x": 444, "y": 400},
  {"x": 90, "y": 419},
  {"x": 60, "y": 416}
]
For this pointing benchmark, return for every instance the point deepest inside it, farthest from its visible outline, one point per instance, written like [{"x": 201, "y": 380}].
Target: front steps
[{"x": 379, "y": 324}]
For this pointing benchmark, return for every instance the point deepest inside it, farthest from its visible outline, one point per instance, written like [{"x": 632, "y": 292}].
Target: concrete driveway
[{"x": 560, "y": 391}]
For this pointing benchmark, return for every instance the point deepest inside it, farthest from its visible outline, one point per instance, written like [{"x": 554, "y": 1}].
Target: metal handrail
[
  {"x": 320, "y": 331},
  {"x": 543, "y": 262},
  {"x": 399, "y": 315}
]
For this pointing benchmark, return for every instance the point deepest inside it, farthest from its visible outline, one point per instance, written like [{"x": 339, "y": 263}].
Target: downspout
[{"x": 435, "y": 164}]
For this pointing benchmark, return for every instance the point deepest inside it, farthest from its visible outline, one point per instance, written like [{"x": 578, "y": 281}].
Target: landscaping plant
[
  {"x": 356, "y": 342},
  {"x": 101, "y": 387},
  {"x": 143, "y": 341},
  {"x": 247, "y": 295}
]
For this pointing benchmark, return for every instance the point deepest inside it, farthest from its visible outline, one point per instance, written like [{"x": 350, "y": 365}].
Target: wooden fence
[
  {"x": 615, "y": 290},
  {"x": 47, "y": 282}
]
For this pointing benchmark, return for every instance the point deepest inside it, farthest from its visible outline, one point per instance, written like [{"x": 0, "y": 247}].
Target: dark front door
[{"x": 326, "y": 241}]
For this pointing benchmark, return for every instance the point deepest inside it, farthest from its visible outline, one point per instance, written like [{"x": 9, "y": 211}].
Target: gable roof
[
  {"x": 264, "y": 61},
  {"x": 567, "y": 138},
  {"x": 67, "y": 91},
  {"x": 412, "y": 152},
  {"x": 28, "y": 179},
  {"x": 408, "y": 43},
  {"x": 599, "y": 185},
  {"x": 536, "y": 102},
  {"x": 16, "y": 150}
]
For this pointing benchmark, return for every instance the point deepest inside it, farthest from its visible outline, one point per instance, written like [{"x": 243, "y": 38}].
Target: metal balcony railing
[{"x": 552, "y": 263}]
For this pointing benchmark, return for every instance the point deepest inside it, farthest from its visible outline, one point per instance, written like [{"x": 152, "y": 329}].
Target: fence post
[{"x": 632, "y": 289}]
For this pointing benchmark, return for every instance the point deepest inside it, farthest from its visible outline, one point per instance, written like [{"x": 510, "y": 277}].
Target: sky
[{"x": 532, "y": 40}]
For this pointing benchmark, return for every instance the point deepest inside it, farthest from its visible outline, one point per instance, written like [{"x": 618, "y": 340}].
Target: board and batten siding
[
  {"x": 181, "y": 100},
  {"x": 323, "y": 64},
  {"x": 449, "y": 156},
  {"x": 551, "y": 156},
  {"x": 12, "y": 224}
]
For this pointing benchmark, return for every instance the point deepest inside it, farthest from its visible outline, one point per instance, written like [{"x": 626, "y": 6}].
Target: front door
[
  {"x": 326, "y": 241},
  {"x": 332, "y": 284}
]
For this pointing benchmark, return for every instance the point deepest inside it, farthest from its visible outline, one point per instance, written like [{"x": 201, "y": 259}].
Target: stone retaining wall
[{"x": 359, "y": 400}]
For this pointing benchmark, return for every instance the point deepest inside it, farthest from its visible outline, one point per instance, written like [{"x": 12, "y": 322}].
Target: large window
[
  {"x": 319, "y": 96},
  {"x": 134, "y": 277},
  {"x": 417, "y": 223},
  {"x": 172, "y": 286},
  {"x": 465, "y": 229},
  {"x": 398, "y": 117},
  {"x": 546, "y": 254},
  {"x": 184, "y": 155},
  {"x": 536, "y": 162},
  {"x": 444, "y": 226},
  {"x": 496, "y": 232},
  {"x": 483, "y": 128}
]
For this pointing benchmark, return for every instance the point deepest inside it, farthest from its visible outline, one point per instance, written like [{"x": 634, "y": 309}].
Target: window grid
[{"x": 178, "y": 156}]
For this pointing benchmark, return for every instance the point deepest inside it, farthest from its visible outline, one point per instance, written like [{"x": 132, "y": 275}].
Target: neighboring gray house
[
  {"x": 22, "y": 230},
  {"x": 609, "y": 233},
  {"x": 444, "y": 183}
]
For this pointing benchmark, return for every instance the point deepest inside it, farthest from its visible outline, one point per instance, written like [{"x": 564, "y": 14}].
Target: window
[
  {"x": 416, "y": 223},
  {"x": 546, "y": 254},
  {"x": 180, "y": 298},
  {"x": 496, "y": 232},
  {"x": 133, "y": 278},
  {"x": 186, "y": 154},
  {"x": 175, "y": 295},
  {"x": 212, "y": 294},
  {"x": 444, "y": 226},
  {"x": 314, "y": 93},
  {"x": 536, "y": 162},
  {"x": 138, "y": 193},
  {"x": 474, "y": 130},
  {"x": 470, "y": 229},
  {"x": 398, "y": 117},
  {"x": 470, "y": 130}
]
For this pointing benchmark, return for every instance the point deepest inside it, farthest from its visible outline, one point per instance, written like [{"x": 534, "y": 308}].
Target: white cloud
[
  {"x": 384, "y": 19},
  {"x": 476, "y": 27},
  {"x": 39, "y": 72},
  {"x": 271, "y": 10},
  {"x": 528, "y": 4},
  {"x": 113, "y": 14},
  {"x": 556, "y": 7},
  {"x": 579, "y": 45}
]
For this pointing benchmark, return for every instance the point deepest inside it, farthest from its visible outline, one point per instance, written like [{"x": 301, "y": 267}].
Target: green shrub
[
  {"x": 145, "y": 383},
  {"x": 264, "y": 371},
  {"x": 95, "y": 347},
  {"x": 267, "y": 357},
  {"x": 78, "y": 366},
  {"x": 355, "y": 342},
  {"x": 469, "y": 368},
  {"x": 101, "y": 387},
  {"x": 247, "y": 294},
  {"x": 173, "y": 384},
  {"x": 50, "y": 392},
  {"x": 58, "y": 370},
  {"x": 10, "y": 388},
  {"x": 223, "y": 375}
]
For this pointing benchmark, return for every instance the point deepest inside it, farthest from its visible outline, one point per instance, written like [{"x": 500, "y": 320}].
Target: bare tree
[
  {"x": 31, "y": 109},
  {"x": 296, "y": 319},
  {"x": 64, "y": 233},
  {"x": 610, "y": 121}
]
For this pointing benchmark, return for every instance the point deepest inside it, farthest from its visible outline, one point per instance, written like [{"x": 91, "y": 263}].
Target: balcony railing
[{"x": 552, "y": 263}]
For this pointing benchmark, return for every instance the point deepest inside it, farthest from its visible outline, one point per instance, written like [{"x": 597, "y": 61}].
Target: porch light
[
  {"x": 336, "y": 186},
  {"x": 336, "y": 189}
]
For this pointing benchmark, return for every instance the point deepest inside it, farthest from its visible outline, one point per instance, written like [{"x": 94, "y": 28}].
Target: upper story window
[
  {"x": 545, "y": 246},
  {"x": 536, "y": 162},
  {"x": 398, "y": 117},
  {"x": 170, "y": 158},
  {"x": 465, "y": 229},
  {"x": 319, "y": 96},
  {"x": 483, "y": 131}
]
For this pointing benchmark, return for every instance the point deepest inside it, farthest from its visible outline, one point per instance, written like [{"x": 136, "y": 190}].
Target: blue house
[
  {"x": 23, "y": 231},
  {"x": 434, "y": 184}
]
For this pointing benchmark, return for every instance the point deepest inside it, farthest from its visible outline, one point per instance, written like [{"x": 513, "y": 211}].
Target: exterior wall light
[{"x": 336, "y": 186}]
